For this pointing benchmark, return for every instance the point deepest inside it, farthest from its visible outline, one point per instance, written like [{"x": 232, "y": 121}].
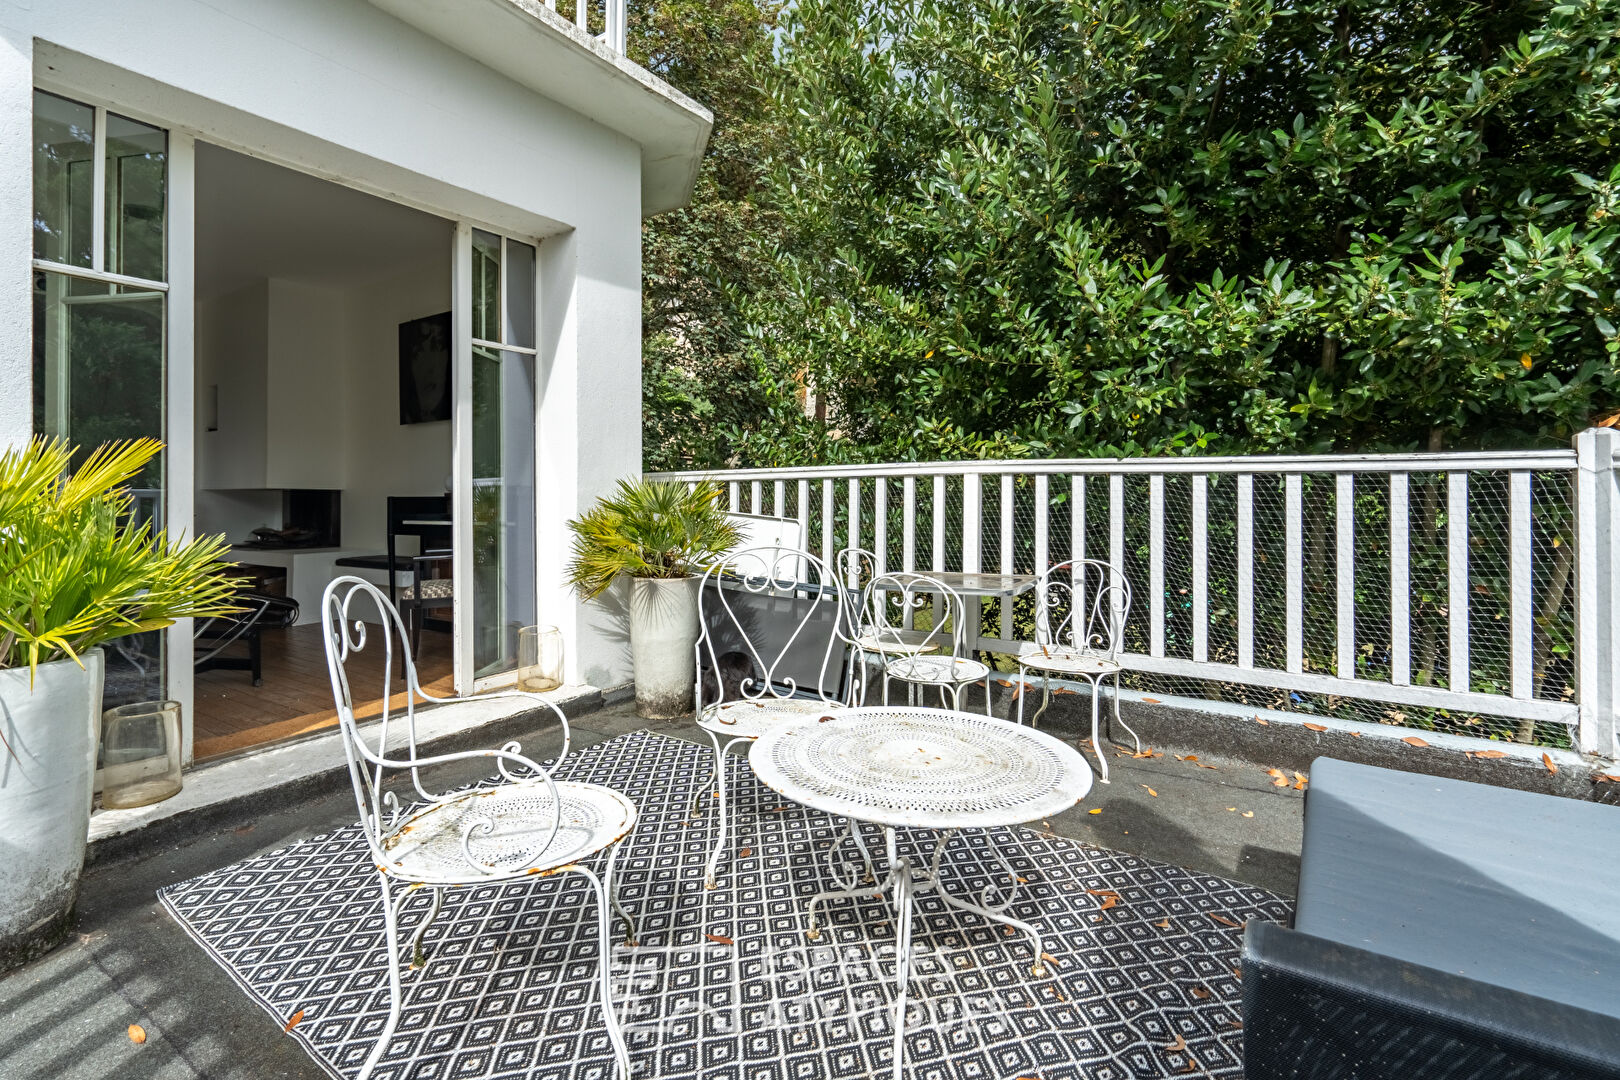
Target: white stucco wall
[{"x": 342, "y": 90}]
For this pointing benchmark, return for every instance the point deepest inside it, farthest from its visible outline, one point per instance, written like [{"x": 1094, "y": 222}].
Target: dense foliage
[
  {"x": 1016, "y": 228},
  {"x": 705, "y": 265},
  {"x": 649, "y": 529}
]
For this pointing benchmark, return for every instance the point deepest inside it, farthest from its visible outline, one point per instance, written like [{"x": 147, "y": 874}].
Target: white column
[
  {"x": 16, "y": 235},
  {"x": 1597, "y": 522},
  {"x": 181, "y": 405}
]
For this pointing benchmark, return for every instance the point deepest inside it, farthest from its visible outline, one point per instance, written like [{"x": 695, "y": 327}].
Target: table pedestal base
[{"x": 902, "y": 882}]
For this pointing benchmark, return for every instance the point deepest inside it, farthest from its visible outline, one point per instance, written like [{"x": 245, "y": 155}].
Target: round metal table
[{"x": 900, "y": 767}]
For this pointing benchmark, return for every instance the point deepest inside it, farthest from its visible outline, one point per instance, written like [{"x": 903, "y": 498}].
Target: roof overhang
[{"x": 537, "y": 48}]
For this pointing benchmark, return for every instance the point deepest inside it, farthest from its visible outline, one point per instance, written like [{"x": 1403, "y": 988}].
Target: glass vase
[
  {"x": 540, "y": 658},
  {"x": 140, "y": 754}
]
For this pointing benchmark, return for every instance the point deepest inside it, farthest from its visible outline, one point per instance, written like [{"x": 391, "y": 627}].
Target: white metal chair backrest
[
  {"x": 346, "y": 635},
  {"x": 1083, "y": 605},
  {"x": 856, "y": 567},
  {"x": 893, "y": 603},
  {"x": 779, "y": 610}
]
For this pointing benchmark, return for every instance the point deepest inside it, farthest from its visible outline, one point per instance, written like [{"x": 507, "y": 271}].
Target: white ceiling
[{"x": 256, "y": 220}]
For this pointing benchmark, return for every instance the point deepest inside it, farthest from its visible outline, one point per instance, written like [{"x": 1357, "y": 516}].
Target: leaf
[
  {"x": 1179, "y": 1045},
  {"x": 1488, "y": 754},
  {"x": 1224, "y": 921},
  {"x": 137, "y": 1034},
  {"x": 1151, "y": 792},
  {"x": 1262, "y": 721},
  {"x": 1095, "y": 810},
  {"x": 292, "y": 1021},
  {"x": 1314, "y": 727},
  {"x": 1163, "y": 924},
  {"x": 1274, "y": 772},
  {"x": 1281, "y": 781},
  {"x": 1546, "y": 759},
  {"x": 719, "y": 939},
  {"x": 1248, "y": 813},
  {"x": 1413, "y": 740},
  {"x": 1151, "y": 700},
  {"x": 745, "y": 852},
  {"x": 1199, "y": 993},
  {"x": 1050, "y": 959}
]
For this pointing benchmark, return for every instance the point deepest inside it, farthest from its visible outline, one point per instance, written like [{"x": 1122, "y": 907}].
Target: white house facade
[{"x": 251, "y": 229}]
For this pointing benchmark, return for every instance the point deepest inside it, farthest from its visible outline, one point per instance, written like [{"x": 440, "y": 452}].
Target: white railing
[
  {"x": 613, "y": 21},
  {"x": 1478, "y": 588}
]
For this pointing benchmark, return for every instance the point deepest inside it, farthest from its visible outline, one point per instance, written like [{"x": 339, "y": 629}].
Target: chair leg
[
  {"x": 418, "y": 956},
  {"x": 1135, "y": 738},
  {"x": 613, "y": 899},
  {"x": 391, "y": 958},
  {"x": 1023, "y": 685},
  {"x": 256, "y": 657},
  {"x": 989, "y": 710},
  {"x": 1096, "y": 737},
  {"x": 604, "y": 938}
]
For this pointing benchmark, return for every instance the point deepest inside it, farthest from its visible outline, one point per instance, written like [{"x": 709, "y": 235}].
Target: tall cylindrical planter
[
  {"x": 47, "y": 769},
  {"x": 663, "y": 632}
]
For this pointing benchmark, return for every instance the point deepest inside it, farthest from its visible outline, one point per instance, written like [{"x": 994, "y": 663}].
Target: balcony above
[{"x": 581, "y": 66}]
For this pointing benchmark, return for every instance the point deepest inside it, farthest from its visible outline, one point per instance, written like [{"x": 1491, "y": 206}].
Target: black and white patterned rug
[{"x": 722, "y": 983}]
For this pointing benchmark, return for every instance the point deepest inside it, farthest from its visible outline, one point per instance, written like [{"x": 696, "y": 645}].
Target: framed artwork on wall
[{"x": 424, "y": 369}]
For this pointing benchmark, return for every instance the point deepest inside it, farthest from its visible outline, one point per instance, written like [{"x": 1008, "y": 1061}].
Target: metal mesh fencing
[{"x": 918, "y": 523}]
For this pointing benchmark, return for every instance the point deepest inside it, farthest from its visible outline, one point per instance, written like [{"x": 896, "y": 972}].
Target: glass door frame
[{"x": 463, "y": 344}]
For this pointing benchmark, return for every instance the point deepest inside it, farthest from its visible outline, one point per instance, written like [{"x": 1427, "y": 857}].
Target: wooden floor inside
[{"x": 232, "y": 714}]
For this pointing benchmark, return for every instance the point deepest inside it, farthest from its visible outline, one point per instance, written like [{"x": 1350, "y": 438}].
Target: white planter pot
[
  {"x": 45, "y": 790},
  {"x": 663, "y": 633}
]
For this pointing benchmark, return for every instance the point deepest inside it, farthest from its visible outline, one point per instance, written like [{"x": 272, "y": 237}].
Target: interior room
[{"x": 323, "y": 441}]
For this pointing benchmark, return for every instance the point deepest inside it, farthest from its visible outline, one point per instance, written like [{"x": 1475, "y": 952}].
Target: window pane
[
  {"x": 486, "y": 283},
  {"x": 519, "y": 295},
  {"x": 64, "y": 178},
  {"x": 98, "y": 376},
  {"x": 503, "y": 506},
  {"x": 136, "y": 174}
]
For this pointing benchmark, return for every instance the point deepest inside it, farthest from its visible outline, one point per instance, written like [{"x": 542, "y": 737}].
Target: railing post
[{"x": 1597, "y": 528}]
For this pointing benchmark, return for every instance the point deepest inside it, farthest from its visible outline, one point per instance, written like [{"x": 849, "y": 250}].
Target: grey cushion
[{"x": 1506, "y": 887}]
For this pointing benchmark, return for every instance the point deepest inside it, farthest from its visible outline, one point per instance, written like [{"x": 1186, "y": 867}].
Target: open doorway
[{"x": 323, "y": 441}]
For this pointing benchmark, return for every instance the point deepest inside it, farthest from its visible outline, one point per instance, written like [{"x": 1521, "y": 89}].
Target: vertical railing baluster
[
  {"x": 1245, "y": 569},
  {"x": 778, "y": 497},
  {"x": 1042, "y": 488},
  {"x": 1200, "y": 566},
  {"x": 908, "y": 524},
  {"x": 734, "y": 489},
  {"x": 1004, "y": 564},
  {"x": 972, "y": 526},
  {"x": 828, "y": 512},
  {"x": 1156, "y": 564},
  {"x": 852, "y": 537},
  {"x": 1522, "y": 660},
  {"x": 804, "y": 515},
  {"x": 1400, "y": 580},
  {"x": 1294, "y": 510},
  {"x": 1344, "y": 550},
  {"x": 938, "y": 560},
  {"x": 1116, "y": 546},
  {"x": 753, "y": 497},
  {"x": 1457, "y": 578},
  {"x": 880, "y": 523},
  {"x": 1077, "y": 543}
]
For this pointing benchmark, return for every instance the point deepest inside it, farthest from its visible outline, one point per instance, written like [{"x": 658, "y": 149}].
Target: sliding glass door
[{"x": 495, "y": 451}]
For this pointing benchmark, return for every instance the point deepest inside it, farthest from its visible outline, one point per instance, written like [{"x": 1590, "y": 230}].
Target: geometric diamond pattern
[{"x": 722, "y": 983}]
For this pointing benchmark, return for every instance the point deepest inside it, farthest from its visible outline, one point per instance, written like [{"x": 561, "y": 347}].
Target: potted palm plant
[
  {"x": 74, "y": 574},
  {"x": 661, "y": 535}
]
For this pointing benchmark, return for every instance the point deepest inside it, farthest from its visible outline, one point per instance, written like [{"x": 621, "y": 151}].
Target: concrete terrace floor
[{"x": 67, "y": 1014}]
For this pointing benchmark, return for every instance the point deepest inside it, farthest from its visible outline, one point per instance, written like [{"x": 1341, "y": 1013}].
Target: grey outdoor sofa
[{"x": 1445, "y": 931}]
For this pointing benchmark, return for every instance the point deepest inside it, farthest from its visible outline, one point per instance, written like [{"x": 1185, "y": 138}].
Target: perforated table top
[{"x": 922, "y": 768}]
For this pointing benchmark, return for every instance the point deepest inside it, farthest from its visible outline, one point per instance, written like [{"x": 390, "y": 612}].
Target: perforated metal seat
[
  {"x": 503, "y": 828},
  {"x": 934, "y": 670},
  {"x": 896, "y": 642},
  {"x": 1066, "y": 660},
  {"x": 750, "y": 719}
]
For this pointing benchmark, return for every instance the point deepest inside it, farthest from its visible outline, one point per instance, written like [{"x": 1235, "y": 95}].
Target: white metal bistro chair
[
  {"x": 1080, "y": 612},
  {"x": 921, "y": 657},
  {"x": 856, "y": 569},
  {"x": 769, "y": 624},
  {"x": 530, "y": 826}
]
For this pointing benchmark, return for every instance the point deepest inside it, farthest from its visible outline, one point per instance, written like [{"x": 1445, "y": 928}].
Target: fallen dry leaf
[
  {"x": 137, "y": 1034},
  {"x": 1546, "y": 759},
  {"x": 1281, "y": 781},
  {"x": 1051, "y": 988},
  {"x": 1151, "y": 700},
  {"x": 1274, "y": 772},
  {"x": 720, "y": 939},
  {"x": 1606, "y": 778},
  {"x": 1234, "y": 1021},
  {"x": 1095, "y": 810},
  {"x": 1224, "y": 921},
  {"x": 1488, "y": 754},
  {"x": 1315, "y": 727},
  {"x": 1004, "y": 682},
  {"x": 1163, "y": 924},
  {"x": 1248, "y": 813},
  {"x": 1201, "y": 994},
  {"x": 1262, "y": 722},
  {"x": 745, "y": 852},
  {"x": 1179, "y": 1045},
  {"x": 1190, "y": 757},
  {"x": 1151, "y": 792},
  {"x": 1050, "y": 959},
  {"x": 1231, "y": 808},
  {"x": 1201, "y": 765},
  {"x": 1062, "y": 690},
  {"x": 292, "y": 1021},
  {"x": 1413, "y": 740}
]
